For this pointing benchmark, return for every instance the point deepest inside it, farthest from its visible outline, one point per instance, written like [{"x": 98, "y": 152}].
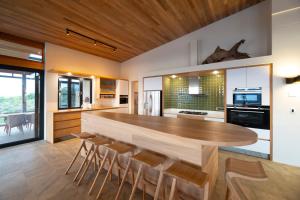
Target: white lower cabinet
[
  {"x": 214, "y": 119},
  {"x": 261, "y": 146},
  {"x": 263, "y": 143},
  {"x": 262, "y": 133},
  {"x": 170, "y": 115}
]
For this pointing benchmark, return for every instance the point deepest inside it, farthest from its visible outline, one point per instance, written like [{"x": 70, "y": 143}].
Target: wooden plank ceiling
[{"x": 133, "y": 26}]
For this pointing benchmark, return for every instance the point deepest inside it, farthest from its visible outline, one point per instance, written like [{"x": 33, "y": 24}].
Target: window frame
[
  {"x": 39, "y": 105},
  {"x": 69, "y": 78}
]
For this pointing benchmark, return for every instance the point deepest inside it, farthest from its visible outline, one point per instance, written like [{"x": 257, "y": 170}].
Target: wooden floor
[{"x": 36, "y": 171}]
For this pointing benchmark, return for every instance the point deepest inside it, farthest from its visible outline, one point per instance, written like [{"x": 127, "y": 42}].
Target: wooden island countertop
[
  {"x": 193, "y": 141},
  {"x": 206, "y": 132}
]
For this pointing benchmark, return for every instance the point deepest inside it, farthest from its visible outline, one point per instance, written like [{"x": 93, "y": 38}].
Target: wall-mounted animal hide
[{"x": 222, "y": 54}]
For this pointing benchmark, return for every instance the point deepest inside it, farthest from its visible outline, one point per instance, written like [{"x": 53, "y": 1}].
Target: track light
[{"x": 94, "y": 41}]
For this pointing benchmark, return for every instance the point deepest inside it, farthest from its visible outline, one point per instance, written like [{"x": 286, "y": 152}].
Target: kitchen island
[{"x": 193, "y": 141}]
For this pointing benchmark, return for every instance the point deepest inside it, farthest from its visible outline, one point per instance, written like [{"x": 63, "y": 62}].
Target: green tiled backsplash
[{"x": 176, "y": 93}]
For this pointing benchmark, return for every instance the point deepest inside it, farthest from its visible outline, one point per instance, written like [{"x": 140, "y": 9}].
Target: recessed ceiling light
[
  {"x": 173, "y": 76},
  {"x": 215, "y": 72},
  {"x": 69, "y": 74}
]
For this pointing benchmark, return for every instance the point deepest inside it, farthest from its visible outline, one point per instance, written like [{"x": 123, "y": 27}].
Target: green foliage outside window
[{"x": 9, "y": 105}]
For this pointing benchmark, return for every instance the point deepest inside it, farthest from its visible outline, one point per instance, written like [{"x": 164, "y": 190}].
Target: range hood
[{"x": 194, "y": 86}]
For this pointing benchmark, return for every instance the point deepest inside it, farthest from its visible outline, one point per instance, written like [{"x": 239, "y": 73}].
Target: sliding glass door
[{"x": 20, "y": 105}]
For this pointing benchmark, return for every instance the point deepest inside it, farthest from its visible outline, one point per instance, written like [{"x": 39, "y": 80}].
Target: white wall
[
  {"x": 65, "y": 59},
  {"x": 286, "y": 59},
  {"x": 174, "y": 57}
]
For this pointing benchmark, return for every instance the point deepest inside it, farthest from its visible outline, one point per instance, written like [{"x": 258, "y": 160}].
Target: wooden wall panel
[
  {"x": 20, "y": 40},
  {"x": 18, "y": 62}
]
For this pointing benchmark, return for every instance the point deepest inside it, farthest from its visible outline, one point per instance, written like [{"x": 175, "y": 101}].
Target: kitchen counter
[
  {"x": 189, "y": 140},
  {"x": 210, "y": 114},
  {"x": 87, "y": 109}
]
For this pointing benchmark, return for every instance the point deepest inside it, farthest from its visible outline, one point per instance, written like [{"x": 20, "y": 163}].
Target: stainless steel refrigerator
[{"x": 153, "y": 103}]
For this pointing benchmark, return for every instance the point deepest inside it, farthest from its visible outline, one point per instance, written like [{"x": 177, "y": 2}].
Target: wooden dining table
[{"x": 194, "y": 141}]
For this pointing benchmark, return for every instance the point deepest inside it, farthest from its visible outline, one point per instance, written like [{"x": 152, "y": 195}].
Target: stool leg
[
  {"x": 132, "y": 176},
  {"x": 206, "y": 191},
  {"x": 109, "y": 162},
  {"x": 107, "y": 175},
  {"x": 75, "y": 157},
  {"x": 160, "y": 180},
  {"x": 227, "y": 193},
  {"x": 173, "y": 189},
  {"x": 119, "y": 176},
  {"x": 88, "y": 165},
  {"x": 84, "y": 146},
  {"x": 95, "y": 163},
  {"x": 83, "y": 163},
  {"x": 136, "y": 182},
  {"x": 99, "y": 171},
  {"x": 144, "y": 190},
  {"x": 123, "y": 180}
]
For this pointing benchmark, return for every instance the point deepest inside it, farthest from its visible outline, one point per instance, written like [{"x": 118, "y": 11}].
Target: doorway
[{"x": 21, "y": 107}]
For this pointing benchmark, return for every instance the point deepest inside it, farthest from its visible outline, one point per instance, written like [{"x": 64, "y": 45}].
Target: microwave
[{"x": 247, "y": 97}]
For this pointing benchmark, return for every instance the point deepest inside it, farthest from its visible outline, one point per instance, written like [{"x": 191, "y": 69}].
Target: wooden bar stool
[
  {"x": 144, "y": 158},
  {"x": 117, "y": 148},
  {"x": 187, "y": 173},
  {"x": 83, "y": 137},
  {"x": 235, "y": 168},
  {"x": 95, "y": 142}
]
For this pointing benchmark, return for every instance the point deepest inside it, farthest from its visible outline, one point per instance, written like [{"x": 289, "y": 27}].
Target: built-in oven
[
  {"x": 247, "y": 97},
  {"x": 252, "y": 117},
  {"x": 123, "y": 99}
]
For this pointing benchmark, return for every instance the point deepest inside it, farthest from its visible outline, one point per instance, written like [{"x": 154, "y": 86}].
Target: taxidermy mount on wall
[{"x": 223, "y": 55}]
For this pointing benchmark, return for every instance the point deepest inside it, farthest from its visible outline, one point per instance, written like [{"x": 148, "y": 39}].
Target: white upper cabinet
[
  {"x": 260, "y": 77},
  {"x": 235, "y": 78},
  {"x": 153, "y": 83},
  {"x": 248, "y": 77},
  {"x": 123, "y": 87}
]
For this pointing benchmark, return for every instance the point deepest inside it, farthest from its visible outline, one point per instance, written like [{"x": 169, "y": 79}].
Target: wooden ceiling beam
[{"x": 19, "y": 40}]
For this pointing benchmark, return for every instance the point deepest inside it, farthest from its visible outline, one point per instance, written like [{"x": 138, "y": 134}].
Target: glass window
[
  {"x": 75, "y": 93},
  {"x": 72, "y": 92},
  {"x": 63, "y": 93},
  {"x": 87, "y": 90}
]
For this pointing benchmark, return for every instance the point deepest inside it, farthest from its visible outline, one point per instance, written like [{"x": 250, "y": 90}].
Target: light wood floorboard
[{"x": 36, "y": 171}]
